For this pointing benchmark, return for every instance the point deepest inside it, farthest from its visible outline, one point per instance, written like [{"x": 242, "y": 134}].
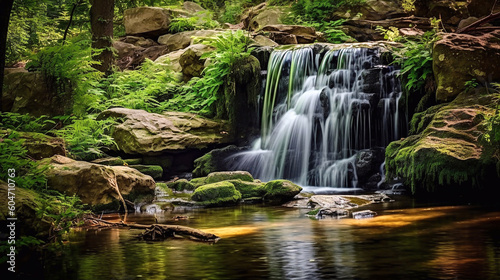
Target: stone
[
  {"x": 154, "y": 171},
  {"x": 198, "y": 182},
  {"x": 93, "y": 182},
  {"x": 40, "y": 145},
  {"x": 111, "y": 161},
  {"x": 147, "y": 21},
  {"x": 303, "y": 34},
  {"x": 181, "y": 185},
  {"x": 368, "y": 163},
  {"x": 130, "y": 56},
  {"x": 372, "y": 10},
  {"x": 139, "y": 41},
  {"x": 165, "y": 161},
  {"x": 268, "y": 16},
  {"x": 217, "y": 194},
  {"x": 279, "y": 191},
  {"x": 249, "y": 189},
  {"x": 191, "y": 62},
  {"x": 466, "y": 22},
  {"x": 449, "y": 154},
  {"x": 263, "y": 41},
  {"x": 192, "y": 7},
  {"x": 28, "y": 203},
  {"x": 151, "y": 134},
  {"x": 184, "y": 39},
  {"x": 459, "y": 58},
  {"x": 215, "y": 160},
  {"x": 28, "y": 93},
  {"x": 228, "y": 175},
  {"x": 171, "y": 60}
]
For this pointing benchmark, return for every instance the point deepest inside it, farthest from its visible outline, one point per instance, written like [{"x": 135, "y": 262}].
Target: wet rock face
[
  {"x": 450, "y": 153},
  {"x": 151, "y": 134},
  {"x": 459, "y": 58}
]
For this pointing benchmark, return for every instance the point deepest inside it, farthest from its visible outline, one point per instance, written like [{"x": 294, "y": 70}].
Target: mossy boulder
[
  {"x": 28, "y": 202},
  {"x": 215, "y": 160},
  {"x": 152, "y": 134},
  {"x": 39, "y": 145},
  {"x": 217, "y": 194},
  {"x": 215, "y": 177},
  {"x": 249, "y": 189},
  {"x": 181, "y": 185},
  {"x": 459, "y": 58},
  {"x": 111, "y": 161},
  {"x": 154, "y": 171},
  {"x": 279, "y": 191},
  {"x": 452, "y": 151},
  {"x": 198, "y": 182}
]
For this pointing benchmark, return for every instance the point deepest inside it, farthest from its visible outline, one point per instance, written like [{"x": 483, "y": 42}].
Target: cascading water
[{"x": 319, "y": 111}]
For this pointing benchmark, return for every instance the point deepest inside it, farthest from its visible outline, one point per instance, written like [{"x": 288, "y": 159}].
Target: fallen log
[{"x": 158, "y": 232}]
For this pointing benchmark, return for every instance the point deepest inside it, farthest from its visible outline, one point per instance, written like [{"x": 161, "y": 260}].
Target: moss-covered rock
[
  {"x": 28, "y": 202},
  {"x": 112, "y": 161},
  {"x": 279, "y": 191},
  {"x": 217, "y": 194},
  {"x": 198, "y": 182},
  {"x": 39, "y": 145},
  {"x": 451, "y": 153},
  {"x": 215, "y": 177},
  {"x": 154, "y": 171},
  {"x": 181, "y": 185},
  {"x": 213, "y": 161},
  {"x": 249, "y": 189}
]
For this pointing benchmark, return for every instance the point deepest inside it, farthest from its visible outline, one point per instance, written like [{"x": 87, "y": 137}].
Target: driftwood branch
[
  {"x": 158, "y": 232},
  {"x": 476, "y": 24}
]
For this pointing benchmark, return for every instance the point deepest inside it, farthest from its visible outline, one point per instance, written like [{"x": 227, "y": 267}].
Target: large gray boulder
[
  {"x": 151, "y": 134},
  {"x": 94, "y": 183},
  {"x": 148, "y": 21}
]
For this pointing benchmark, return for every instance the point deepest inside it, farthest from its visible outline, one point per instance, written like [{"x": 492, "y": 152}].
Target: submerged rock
[
  {"x": 151, "y": 134},
  {"x": 95, "y": 183},
  {"x": 217, "y": 194}
]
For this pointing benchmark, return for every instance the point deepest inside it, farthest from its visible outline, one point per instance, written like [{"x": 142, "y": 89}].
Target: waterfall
[{"x": 319, "y": 110}]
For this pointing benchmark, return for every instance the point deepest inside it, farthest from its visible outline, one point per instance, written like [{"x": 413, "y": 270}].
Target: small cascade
[{"x": 319, "y": 110}]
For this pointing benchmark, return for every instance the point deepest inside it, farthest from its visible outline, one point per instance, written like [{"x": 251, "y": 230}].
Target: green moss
[
  {"x": 249, "y": 189},
  {"x": 203, "y": 165},
  {"x": 181, "y": 185},
  {"x": 278, "y": 191},
  {"x": 133, "y": 161},
  {"x": 198, "y": 182},
  {"x": 313, "y": 212},
  {"x": 217, "y": 194},
  {"x": 154, "y": 171},
  {"x": 228, "y": 175},
  {"x": 357, "y": 200}
]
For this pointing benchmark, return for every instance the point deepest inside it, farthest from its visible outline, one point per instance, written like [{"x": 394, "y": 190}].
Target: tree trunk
[
  {"x": 5, "y": 8},
  {"x": 101, "y": 22}
]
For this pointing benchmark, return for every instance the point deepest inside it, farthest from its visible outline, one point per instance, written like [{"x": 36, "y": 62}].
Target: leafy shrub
[
  {"x": 13, "y": 155},
  {"x": 138, "y": 89},
  {"x": 68, "y": 69},
  {"x": 86, "y": 138},
  {"x": 318, "y": 11},
  {"x": 183, "y": 24},
  {"x": 331, "y": 29}
]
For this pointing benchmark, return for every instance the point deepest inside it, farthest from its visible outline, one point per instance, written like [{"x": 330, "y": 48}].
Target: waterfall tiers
[{"x": 323, "y": 105}]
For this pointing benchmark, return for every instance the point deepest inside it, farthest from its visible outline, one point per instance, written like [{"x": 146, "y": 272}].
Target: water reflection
[{"x": 277, "y": 243}]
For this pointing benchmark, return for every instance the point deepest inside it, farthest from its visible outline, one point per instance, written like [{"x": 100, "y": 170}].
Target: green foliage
[
  {"x": 62, "y": 211},
  {"x": 233, "y": 10},
  {"x": 408, "y": 5},
  {"x": 230, "y": 47},
  {"x": 68, "y": 69},
  {"x": 138, "y": 89},
  {"x": 183, "y": 24},
  {"x": 86, "y": 138},
  {"x": 415, "y": 56},
  {"x": 390, "y": 34},
  {"x": 13, "y": 155},
  {"x": 25, "y": 122},
  {"x": 331, "y": 29},
  {"x": 471, "y": 84},
  {"x": 318, "y": 11},
  {"x": 493, "y": 123}
]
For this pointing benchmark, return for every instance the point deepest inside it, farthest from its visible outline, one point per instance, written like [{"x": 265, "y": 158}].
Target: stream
[{"x": 406, "y": 240}]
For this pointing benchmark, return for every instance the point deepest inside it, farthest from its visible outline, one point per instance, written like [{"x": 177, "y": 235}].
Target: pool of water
[{"x": 404, "y": 241}]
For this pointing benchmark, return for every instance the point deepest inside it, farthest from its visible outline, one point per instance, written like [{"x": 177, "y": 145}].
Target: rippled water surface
[{"x": 442, "y": 242}]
